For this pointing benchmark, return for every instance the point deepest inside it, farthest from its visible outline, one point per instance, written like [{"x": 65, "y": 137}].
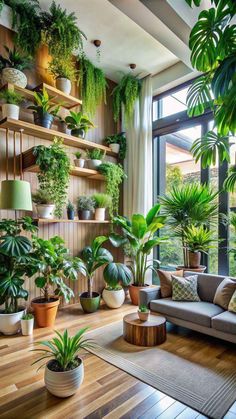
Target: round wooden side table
[{"x": 149, "y": 333}]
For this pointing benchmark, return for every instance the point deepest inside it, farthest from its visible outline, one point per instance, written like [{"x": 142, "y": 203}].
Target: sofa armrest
[{"x": 149, "y": 294}]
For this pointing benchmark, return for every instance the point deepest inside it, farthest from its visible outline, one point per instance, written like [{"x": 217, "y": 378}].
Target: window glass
[{"x": 174, "y": 103}]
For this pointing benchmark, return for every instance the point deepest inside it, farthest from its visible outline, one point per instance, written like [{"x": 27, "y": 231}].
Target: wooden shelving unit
[{"x": 53, "y": 221}]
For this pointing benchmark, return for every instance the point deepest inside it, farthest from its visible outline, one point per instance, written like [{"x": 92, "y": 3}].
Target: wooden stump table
[{"x": 149, "y": 333}]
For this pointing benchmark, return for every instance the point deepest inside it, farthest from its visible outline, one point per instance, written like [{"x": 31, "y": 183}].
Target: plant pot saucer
[{"x": 200, "y": 268}]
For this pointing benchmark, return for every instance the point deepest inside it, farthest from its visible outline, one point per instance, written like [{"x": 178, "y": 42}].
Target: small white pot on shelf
[
  {"x": 64, "y": 85},
  {"x": 115, "y": 147},
  {"x": 100, "y": 214},
  {"x": 27, "y": 327},
  {"x": 79, "y": 162},
  {"x": 45, "y": 211},
  {"x": 10, "y": 111}
]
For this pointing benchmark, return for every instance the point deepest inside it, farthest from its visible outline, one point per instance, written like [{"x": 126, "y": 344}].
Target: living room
[{"x": 118, "y": 209}]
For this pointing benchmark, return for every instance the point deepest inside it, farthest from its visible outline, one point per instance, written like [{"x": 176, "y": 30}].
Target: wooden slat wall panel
[{"x": 75, "y": 235}]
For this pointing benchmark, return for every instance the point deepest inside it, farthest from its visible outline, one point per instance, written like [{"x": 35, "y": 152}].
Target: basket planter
[
  {"x": 90, "y": 305},
  {"x": 45, "y": 210},
  {"x": 10, "y": 324},
  {"x": 45, "y": 312},
  {"x": 134, "y": 293},
  {"x": 66, "y": 383},
  {"x": 64, "y": 85},
  {"x": 79, "y": 163},
  {"x": 27, "y": 327},
  {"x": 14, "y": 76},
  {"x": 115, "y": 147},
  {"x": 44, "y": 120},
  {"x": 113, "y": 298},
  {"x": 10, "y": 111},
  {"x": 144, "y": 315},
  {"x": 93, "y": 164},
  {"x": 100, "y": 214}
]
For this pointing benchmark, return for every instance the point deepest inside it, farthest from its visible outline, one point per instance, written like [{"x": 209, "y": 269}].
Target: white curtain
[{"x": 138, "y": 162}]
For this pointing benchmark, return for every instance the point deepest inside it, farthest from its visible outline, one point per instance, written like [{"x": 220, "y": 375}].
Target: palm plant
[
  {"x": 199, "y": 239},
  {"x": 139, "y": 234},
  {"x": 189, "y": 204}
]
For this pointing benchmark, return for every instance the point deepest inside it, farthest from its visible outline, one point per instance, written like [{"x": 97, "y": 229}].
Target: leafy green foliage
[
  {"x": 85, "y": 203},
  {"x": 78, "y": 154},
  {"x": 59, "y": 67},
  {"x": 92, "y": 85},
  {"x": 126, "y": 93},
  {"x": 54, "y": 175},
  {"x": 118, "y": 139},
  {"x": 77, "y": 120},
  {"x": 41, "y": 197},
  {"x": 15, "y": 59},
  {"x": 199, "y": 96},
  {"x": 11, "y": 97},
  {"x": 140, "y": 235},
  {"x": 143, "y": 309},
  {"x": 114, "y": 175},
  {"x": 207, "y": 148},
  {"x": 230, "y": 181},
  {"x": 27, "y": 316},
  {"x": 95, "y": 154},
  {"x": 102, "y": 200},
  {"x": 64, "y": 349},
  {"x": 43, "y": 103},
  {"x": 116, "y": 274},
  {"x": 198, "y": 238}
]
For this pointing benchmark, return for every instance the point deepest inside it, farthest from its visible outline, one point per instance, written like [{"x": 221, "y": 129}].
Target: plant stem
[{"x": 90, "y": 284}]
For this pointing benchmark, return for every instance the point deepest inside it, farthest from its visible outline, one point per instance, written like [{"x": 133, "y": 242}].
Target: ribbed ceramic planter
[
  {"x": 90, "y": 305},
  {"x": 93, "y": 164},
  {"x": 115, "y": 147},
  {"x": 144, "y": 316},
  {"x": 100, "y": 214},
  {"x": 10, "y": 111},
  {"x": 113, "y": 298},
  {"x": 79, "y": 163},
  {"x": 45, "y": 211},
  {"x": 64, "y": 384},
  {"x": 27, "y": 327},
  {"x": 64, "y": 85},
  {"x": 45, "y": 312},
  {"x": 10, "y": 324},
  {"x": 14, "y": 76}
]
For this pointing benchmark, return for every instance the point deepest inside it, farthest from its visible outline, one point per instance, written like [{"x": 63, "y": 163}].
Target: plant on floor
[
  {"x": 187, "y": 205},
  {"x": 213, "y": 52},
  {"x": 11, "y": 97},
  {"x": 119, "y": 139},
  {"x": 114, "y": 175},
  {"x": 15, "y": 59},
  {"x": 59, "y": 67},
  {"x": 126, "y": 93},
  {"x": 78, "y": 123},
  {"x": 95, "y": 154},
  {"x": 92, "y": 85},
  {"x": 42, "y": 197},
  {"x": 54, "y": 175}
]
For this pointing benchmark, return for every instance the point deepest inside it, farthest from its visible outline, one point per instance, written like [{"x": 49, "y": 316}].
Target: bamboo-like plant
[
  {"x": 199, "y": 239},
  {"x": 126, "y": 93}
]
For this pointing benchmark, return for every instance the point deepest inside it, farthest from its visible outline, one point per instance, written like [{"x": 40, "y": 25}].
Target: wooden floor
[{"x": 107, "y": 392}]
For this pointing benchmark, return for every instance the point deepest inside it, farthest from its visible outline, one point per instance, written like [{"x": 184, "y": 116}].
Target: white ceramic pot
[
  {"x": 113, "y": 298},
  {"x": 100, "y": 214},
  {"x": 115, "y": 147},
  {"x": 45, "y": 211},
  {"x": 64, "y": 384},
  {"x": 79, "y": 162},
  {"x": 10, "y": 323},
  {"x": 144, "y": 316},
  {"x": 64, "y": 85},
  {"x": 14, "y": 76},
  {"x": 27, "y": 327},
  {"x": 93, "y": 164},
  {"x": 10, "y": 111}
]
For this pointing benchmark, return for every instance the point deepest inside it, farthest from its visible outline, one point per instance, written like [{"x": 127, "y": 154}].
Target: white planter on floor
[
  {"x": 100, "y": 214},
  {"x": 14, "y": 76},
  {"x": 93, "y": 164},
  {"x": 10, "y": 111},
  {"x": 10, "y": 324},
  {"x": 115, "y": 147},
  {"x": 64, "y": 85},
  {"x": 113, "y": 298},
  {"x": 64, "y": 384},
  {"x": 79, "y": 162},
  {"x": 45, "y": 211},
  {"x": 27, "y": 327}
]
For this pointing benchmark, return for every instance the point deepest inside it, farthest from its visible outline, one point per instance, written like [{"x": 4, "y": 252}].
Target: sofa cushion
[
  {"x": 224, "y": 293},
  {"x": 184, "y": 289},
  {"x": 225, "y": 322},
  {"x": 166, "y": 281},
  {"x": 196, "y": 312},
  {"x": 232, "y": 303},
  {"x": 207, "y": 285}
]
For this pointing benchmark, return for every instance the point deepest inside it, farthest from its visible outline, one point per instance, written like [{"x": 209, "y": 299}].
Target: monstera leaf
[
  {"x": 224, "y": 77},
  {"x": 199, "y": 96},
  {"x": 15, "y": 246},
  {"x": 230, "y": 181},
  {"x": 225, "y": 115},
  {"x": 207, "y": 148}
]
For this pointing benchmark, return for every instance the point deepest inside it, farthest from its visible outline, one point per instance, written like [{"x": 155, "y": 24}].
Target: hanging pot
[
  {"x": 10, "y": 111},
  {"x": 14, "y": 76},
  {"x": 45, "y": 119},
  {"x": 64, "y": 85},
  {"x": 100, "y": 214}
]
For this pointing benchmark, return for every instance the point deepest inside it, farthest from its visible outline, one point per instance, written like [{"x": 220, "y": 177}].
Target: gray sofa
[{"x": 203, "y": 316}]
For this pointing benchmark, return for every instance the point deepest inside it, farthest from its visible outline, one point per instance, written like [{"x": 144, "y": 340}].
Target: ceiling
[{"x": 124, "y": 41}]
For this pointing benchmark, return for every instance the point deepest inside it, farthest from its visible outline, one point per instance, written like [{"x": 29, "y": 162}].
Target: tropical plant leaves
[
  {"x": 139, "y": 225},
  {"x": 15, "y": 246},
  {"x": 223, "y": 78},
  {"x": 152, "y": 213},
  {"x": 230, "y": 181},
  {"x": 225, "y": 115},
  {"x": 207, "y": 147},
  {"x": 199, "y": 97},
  {"x": 193, "y": 2},
  {"x": 115, "y": 273}
]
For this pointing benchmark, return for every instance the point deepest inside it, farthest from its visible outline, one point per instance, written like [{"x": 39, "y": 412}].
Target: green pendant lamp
[{"x": 16, "y": 195}]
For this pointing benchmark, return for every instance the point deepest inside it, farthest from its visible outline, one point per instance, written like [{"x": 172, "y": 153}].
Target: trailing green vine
[
  {"x": 54, "y": 175},
  {"x": 126, "y": 93},
  {"x": 114, "y": 174}
]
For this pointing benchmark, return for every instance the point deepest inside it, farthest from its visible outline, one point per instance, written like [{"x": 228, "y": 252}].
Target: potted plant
[
  {"x": 116, "y": 275},
  {"x": 62, "y": 125},
  {"x": 117, "y": 144},
  {"x": 85, "y": 206},
  {"x": 125, "y": 94},
  {"x": 94, "y": 158},
  {"x": 143, "y": 313},
  {"x": 79, "y": 161},
  {"x": 27, "y": 324},
  {"x": 15, "y": 251},
  {"x": 63, "y": 72},
  {"x": 91, "y": 258},
  {"x": 52, "y": 264},
  {"x": 78, "y": 123},
  {"x": 64, "y": 372},
  {"x": 197, "y": 239},
  {"x": 139, "y": 238},
  {"x": 102, "y": 201},
  {"x": 12, "y": 67},
  {"x": 44, "y": 111},
  {"x": 70, "y": 211},
  {"x": 43, "y": 203},
  {"x": 114, "y": 175},
  {"x": 10, "y": 107}
]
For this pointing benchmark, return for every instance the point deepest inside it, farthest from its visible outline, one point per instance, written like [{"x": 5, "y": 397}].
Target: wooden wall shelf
[
  {"x": 49, "y": 134},
  {"x": 51, "y": 221}
]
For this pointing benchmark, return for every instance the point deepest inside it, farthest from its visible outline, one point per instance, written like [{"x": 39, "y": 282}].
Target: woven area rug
[{"x": 210, "y": 389}]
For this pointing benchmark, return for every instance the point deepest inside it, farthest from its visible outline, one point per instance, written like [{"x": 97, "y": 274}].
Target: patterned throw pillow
[
  {"x": 232, "y": 303},
  {"x": 185, "y": 289}
]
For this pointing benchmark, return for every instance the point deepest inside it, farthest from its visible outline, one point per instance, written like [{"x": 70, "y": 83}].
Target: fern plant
[{"x": 126, "y": 93}]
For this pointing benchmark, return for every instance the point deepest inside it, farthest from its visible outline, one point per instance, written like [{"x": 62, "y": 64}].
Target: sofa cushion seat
[
  {"x": 196, "y": 312},
  {"x": 225, "y": 322}
]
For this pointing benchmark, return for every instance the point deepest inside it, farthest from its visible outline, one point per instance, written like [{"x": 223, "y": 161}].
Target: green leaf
[
  {"x": 199, "y": 96},
  {"x": 115, "y": 273},
  {"x": 207, "y": 148},
  {"x": 139, "y": 225},
  {"x": 40, "y": 282},
  {"x": 97, "y": 242},
  {"x": 193, "y": 2},
  {"x": 150, "y": 244},
  {"x": 225, "y": 115},
  {"x": 230, "y": 181},
  {"x": 152, "y": 213},
  {"x": 117, "y": 240},
  {"x": 15, "y": 246},
  {"x": 224, "y": 76}
]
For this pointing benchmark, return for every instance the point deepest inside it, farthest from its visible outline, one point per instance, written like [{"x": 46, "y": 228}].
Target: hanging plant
[
  {"x": 114, "y": 174},
  {"x": 54, "y": 175},
  {"x": 92, "y": 85},
  {"x": 60, "y": 31},
  {"x": 126, "y": 93}
]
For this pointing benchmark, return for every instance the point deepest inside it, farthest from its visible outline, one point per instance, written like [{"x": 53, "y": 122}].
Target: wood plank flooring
[{"x": 107, "y": 392}]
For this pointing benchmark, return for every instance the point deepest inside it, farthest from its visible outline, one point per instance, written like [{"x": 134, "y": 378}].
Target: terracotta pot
[
  {"x": 194, "y": 259},
  {"x": 144, "y": 315},
  {"x": 134, "y": 293},
  {"x": 45, "y": 312},
  {"x": 65, "y": 383}
]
